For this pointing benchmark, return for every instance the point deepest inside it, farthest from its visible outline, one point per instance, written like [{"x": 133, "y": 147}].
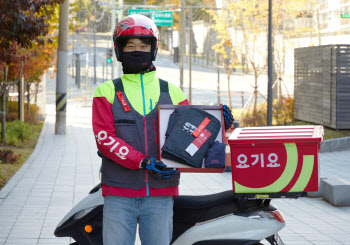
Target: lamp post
[
  {"x": 95, "y": 42},
  {"x": 269, "y": 72},
  {"x": 112, "y": 30},
  {"x": 182, "y": 44},
  {"x": 62, "y": 59}
]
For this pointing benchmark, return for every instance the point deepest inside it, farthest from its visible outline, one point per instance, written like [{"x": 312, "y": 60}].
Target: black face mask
[{"x": 136, "y": 62}]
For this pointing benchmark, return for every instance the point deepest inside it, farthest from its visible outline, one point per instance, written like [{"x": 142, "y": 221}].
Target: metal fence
[{"x": 322, "y": 85}]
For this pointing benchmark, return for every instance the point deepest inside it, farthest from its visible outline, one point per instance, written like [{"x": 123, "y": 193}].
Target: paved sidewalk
[{"x": 63, "y": 169}]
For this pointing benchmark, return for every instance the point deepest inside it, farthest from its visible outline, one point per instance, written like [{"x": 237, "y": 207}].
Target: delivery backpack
[{"x": 190, "y": 133}]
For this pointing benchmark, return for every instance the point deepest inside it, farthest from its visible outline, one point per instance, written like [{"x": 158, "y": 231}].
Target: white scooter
[{"x": 217, "y": 219}]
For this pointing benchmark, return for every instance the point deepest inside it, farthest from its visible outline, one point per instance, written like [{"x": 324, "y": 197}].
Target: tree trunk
[
  {"x": 228, "y": 74},
  {"x": 3, "y": 119},
  {"x": 280, "y": 89},
  {"x": 229, "y": 91},
  {"x": 28, "y": 96},
  {"x": 36, "y": 93},
  {"x": 3, "y": 106},
  {"x": 255, "y": 90}
]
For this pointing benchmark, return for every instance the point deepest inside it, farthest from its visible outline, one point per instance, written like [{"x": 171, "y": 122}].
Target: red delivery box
[{"x": 275, "y": 159}]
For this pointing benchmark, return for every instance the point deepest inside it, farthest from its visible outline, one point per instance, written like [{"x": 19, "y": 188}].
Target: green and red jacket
[{"x": 143, "y": 96}]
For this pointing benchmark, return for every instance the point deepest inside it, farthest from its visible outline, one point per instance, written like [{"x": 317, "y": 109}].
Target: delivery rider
[{"x": 136, "y": 187}]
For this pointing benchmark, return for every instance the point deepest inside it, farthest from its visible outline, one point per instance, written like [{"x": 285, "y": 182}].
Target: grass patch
[{"x": 24, "y": 149}]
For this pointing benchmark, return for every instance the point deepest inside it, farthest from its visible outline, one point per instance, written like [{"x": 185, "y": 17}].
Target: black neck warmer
[{"x": 136, "y": 62}]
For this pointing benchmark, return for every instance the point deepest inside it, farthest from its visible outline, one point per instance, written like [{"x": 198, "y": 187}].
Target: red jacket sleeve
[{"x": 108, "y": 144}]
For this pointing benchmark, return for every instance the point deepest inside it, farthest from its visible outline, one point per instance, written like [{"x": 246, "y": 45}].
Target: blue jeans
[{"x": 153, "y": 213}]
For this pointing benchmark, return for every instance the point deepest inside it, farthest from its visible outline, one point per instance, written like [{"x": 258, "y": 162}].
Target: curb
[
  {"x": 336, "y": 192},
  {"x": 337, "y": 144}
]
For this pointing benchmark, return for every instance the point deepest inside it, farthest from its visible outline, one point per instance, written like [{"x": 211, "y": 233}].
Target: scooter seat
[
  {"x": 204, "y": 201},
  {"x": 194, "y": 209}
]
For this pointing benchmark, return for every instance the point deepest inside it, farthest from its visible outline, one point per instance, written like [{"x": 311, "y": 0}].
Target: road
[{"x": 204, "y": 78}]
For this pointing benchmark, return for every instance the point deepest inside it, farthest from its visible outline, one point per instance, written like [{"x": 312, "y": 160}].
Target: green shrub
[
  {"x": 2, "y": 181},
  {"x": 16, "y": 132}
]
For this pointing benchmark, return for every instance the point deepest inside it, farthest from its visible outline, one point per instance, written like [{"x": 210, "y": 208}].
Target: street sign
[
  {"x": 345, "y": 15},
  {"x": 160, "y": 17}
]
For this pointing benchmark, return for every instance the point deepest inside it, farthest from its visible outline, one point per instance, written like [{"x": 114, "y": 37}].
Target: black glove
[
  {"x": 100, "y": 154},
  {"x": 157, "y": 167},
  {"x": 228, "y": 117}
]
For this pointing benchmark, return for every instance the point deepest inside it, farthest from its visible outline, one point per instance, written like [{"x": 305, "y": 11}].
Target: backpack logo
[{"x": 189, "y": 128}]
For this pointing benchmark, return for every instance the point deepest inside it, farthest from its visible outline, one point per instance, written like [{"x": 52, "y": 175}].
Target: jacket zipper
[{"x": 145, "y": 129}]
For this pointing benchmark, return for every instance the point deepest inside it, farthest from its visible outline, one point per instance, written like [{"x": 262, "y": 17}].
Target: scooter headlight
[{"x": 261, "y": 215}]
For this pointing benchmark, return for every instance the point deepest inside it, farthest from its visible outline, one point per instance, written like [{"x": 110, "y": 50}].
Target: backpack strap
[
  {"x": 164, "y": 87},
  {"x": 118, "y": 85}
]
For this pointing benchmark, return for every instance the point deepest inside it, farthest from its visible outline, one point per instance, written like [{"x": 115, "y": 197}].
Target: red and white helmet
[{"x": 135, "y": 26}]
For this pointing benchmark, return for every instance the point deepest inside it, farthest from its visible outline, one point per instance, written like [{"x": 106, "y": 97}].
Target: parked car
[{"x": 81, "y": 29}]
